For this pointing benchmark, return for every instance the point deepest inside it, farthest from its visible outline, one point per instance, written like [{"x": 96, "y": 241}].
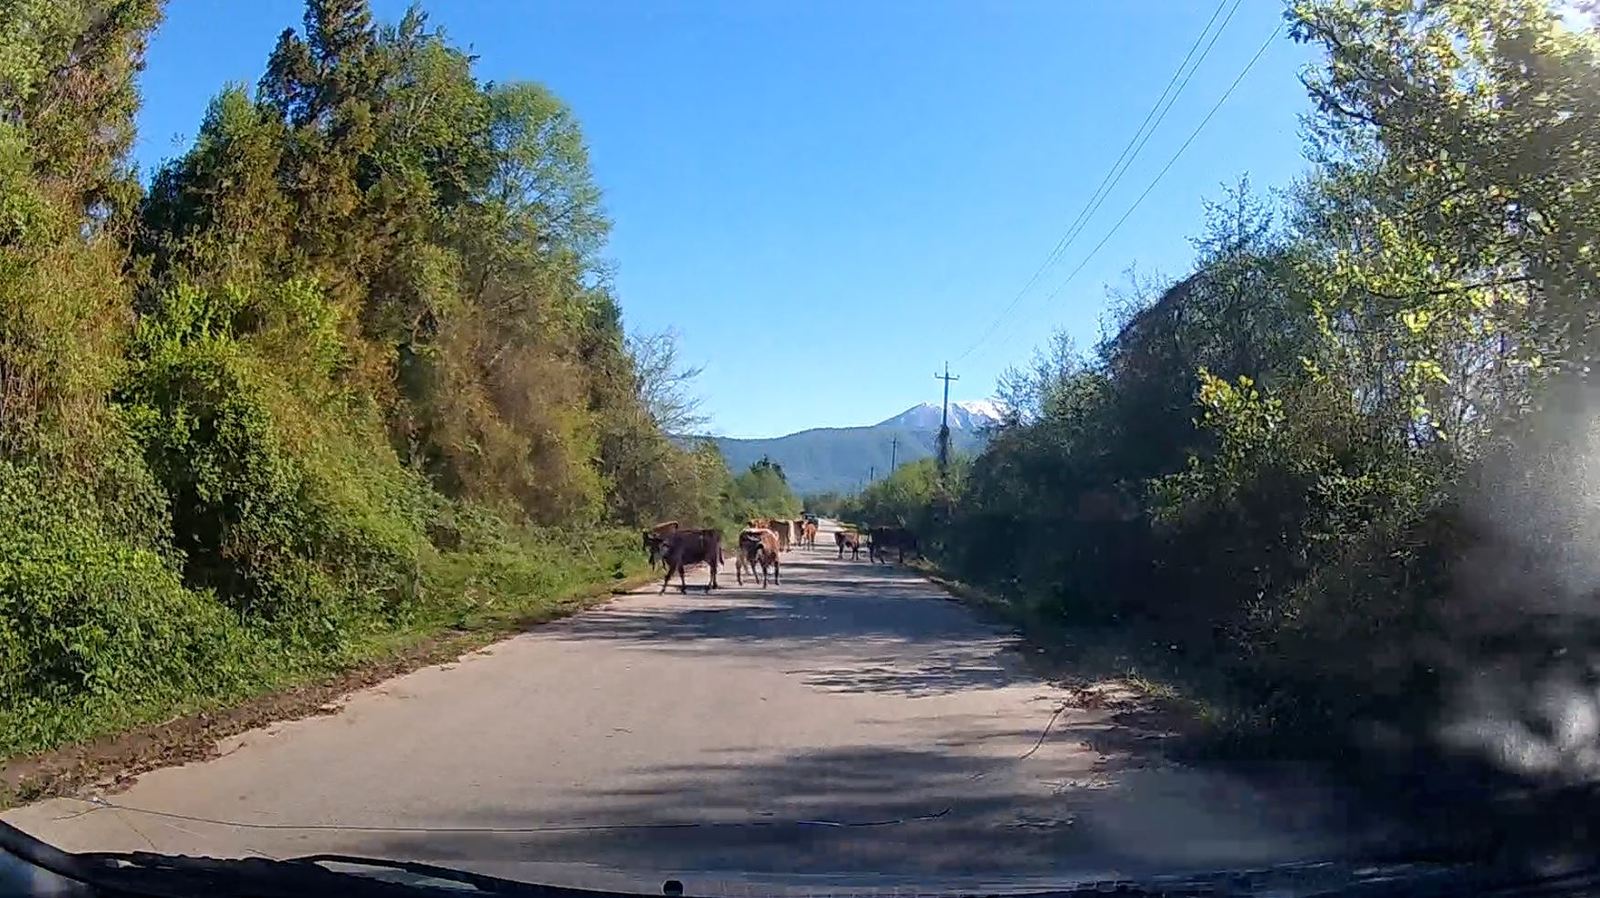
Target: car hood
[{"x": 1315, "y": 878}]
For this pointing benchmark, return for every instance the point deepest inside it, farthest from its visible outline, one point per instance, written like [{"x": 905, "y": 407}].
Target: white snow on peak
[
  {"x": 989, "y": 409},
  {"x": 970, "y": 414}
]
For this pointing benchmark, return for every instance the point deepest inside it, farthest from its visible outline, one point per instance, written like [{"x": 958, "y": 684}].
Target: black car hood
[{"x": 1288, "y": 880}]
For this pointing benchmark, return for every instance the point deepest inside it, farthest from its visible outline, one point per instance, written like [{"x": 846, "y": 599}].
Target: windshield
[{"x": 502, "y": 436}]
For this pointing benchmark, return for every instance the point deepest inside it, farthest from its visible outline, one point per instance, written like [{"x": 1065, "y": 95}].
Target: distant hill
[{"x": 839, "y": 458}]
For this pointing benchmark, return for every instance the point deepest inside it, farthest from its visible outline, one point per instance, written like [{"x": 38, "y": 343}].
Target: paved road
[{"x": 850, "y": 694}]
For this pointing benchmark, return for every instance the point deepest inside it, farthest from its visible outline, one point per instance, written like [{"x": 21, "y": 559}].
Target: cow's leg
[
  {"x": 712, "y": 582},
  {"x": 683, "y": 585},
  {"x": 665, "y": 580},
  {"x": 775, "y": 566}
]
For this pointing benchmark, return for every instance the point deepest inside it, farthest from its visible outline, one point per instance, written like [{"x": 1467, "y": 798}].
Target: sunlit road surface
[{"x": 853, "y": 726}]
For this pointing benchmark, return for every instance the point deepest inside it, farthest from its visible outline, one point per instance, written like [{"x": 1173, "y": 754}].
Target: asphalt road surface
[{"x": 854, "y": 725}]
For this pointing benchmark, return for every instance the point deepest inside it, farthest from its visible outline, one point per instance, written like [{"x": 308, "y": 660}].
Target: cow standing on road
[
  {"x": 653, "y": 539},
  {"x": 757, "y": 547},
  {"x": 784, "y": 531},
  {"x": 685, "y": 547},
  {"x": 883, "y": 539},
  {"x": 844, "y": 538},
  {"x": 808, "y": 535}
]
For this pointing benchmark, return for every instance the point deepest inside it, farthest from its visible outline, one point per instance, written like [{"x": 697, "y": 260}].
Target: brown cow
[
  {"x": 685, "y": 547},
  {"x": 808, "y": 535},
  {"x": 848, "y": 538},
  {"x": 757, "y": 547},
  {"x": 785, "y": 532},
  {"x": 653, "y": 538}
]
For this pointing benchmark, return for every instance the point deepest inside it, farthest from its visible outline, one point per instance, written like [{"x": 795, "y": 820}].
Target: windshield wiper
[{"x": 182, "y": 876}]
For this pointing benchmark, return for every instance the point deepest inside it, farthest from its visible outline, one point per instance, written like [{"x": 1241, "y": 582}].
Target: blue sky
[{"x": 828, "y": 199}]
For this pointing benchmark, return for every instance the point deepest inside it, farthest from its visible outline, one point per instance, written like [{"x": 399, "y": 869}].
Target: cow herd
[
  {"x": 761, "y": 545},
  {"x": 878, "y": 541}
]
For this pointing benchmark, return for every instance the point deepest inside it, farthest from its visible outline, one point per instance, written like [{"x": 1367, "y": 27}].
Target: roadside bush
[
  {"x": 282, "y": 516},
  {"x": 87, "y": 616},
  {"x": 295, "y": 400}
]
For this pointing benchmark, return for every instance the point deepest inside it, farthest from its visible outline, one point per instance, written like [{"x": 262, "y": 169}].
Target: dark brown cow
[
  {"x": 851, "y": 539},
  {"x": 884, "y": 538},
  {"x": 653, "y": 539},
  {"x": 757, "y": 547},
  {"x": 686, "y": 547}
]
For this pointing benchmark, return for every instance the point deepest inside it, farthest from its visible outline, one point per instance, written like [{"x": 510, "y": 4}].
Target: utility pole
[
  {"x": 944, "y": 426},
  {"x": 872, "y": 473},
  {"x": 894, "y": 453}
]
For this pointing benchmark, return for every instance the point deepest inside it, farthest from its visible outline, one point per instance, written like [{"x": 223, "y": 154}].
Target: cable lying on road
[
  {"x": 100, "y": 804},
  {"x": 1043, "y": 734}
]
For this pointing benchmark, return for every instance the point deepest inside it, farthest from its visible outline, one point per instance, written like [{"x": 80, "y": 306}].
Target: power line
[
  {"x": 1119, "y": 167},
  {"x": 1170, "y": 162},
  {"x": 1105, "y": 195},
  {"x": 1137, "y": 142}
]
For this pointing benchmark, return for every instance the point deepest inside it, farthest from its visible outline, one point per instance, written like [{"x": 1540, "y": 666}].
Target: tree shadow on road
[
  {"x": 878, "y": 640},
  {"x": 899, "y": 812}
]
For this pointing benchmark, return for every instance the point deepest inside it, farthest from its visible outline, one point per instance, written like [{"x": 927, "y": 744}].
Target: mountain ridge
[{"x": 840, "y": 459}]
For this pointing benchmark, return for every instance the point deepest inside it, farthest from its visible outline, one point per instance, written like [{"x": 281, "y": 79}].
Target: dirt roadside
[
  {"x": 1106, "y": 678},
  {"x": 112, "y": 762},
  {"x": 1439, "y": 808}
]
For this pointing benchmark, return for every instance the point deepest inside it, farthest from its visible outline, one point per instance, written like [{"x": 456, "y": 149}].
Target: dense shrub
[
  {"x": 87, "y": 615},
  {"x": 1340, "y": 466},
  {"x": 350, "y": 369}
]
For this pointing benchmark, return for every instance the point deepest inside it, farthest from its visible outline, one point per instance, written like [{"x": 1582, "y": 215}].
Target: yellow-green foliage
[
  {"x": 760, "y": 492},
  {"x": 343, "y": 376},
  {"x": 1292, "y": 463}
]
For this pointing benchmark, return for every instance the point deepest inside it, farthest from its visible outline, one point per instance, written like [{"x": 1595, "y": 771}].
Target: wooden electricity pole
[{"x": 944, "y": 425}]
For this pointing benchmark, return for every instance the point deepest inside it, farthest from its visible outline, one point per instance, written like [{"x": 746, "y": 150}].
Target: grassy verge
[{"x": 471, "y": 598}]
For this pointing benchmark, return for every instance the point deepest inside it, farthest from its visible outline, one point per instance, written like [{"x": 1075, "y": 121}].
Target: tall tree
[{"x": 67, "y": 101}]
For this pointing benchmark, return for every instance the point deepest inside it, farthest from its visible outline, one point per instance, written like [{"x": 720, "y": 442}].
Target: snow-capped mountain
[
  {"x": 969, "y": 415},
  {"x": 842, "y": 458}
]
